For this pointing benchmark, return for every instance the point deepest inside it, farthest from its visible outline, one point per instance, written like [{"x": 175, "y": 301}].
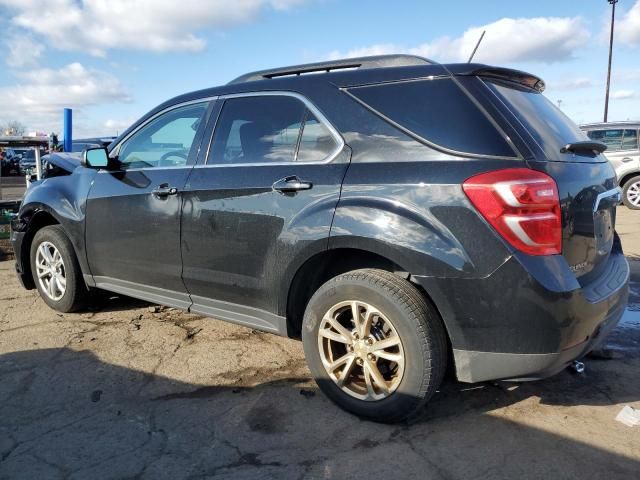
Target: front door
[
  {"x": 266, "y": 195},
  {"x": 133, "y": 214}
]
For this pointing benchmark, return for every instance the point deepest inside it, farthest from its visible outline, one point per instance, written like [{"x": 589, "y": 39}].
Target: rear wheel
[
  {"x": 631, "y": 193},
  {"x": 55, "y": 269},
  {"x": 374, "y": 345}
]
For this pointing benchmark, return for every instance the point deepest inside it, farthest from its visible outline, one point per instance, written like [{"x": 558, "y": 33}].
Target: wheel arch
[
  {"x": 323, "y": 266},
  {"x": 33, "y": 219},
  {"x": 628, "y": 177}
]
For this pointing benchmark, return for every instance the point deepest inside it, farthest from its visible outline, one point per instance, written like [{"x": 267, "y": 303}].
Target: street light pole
[{"x": 606, "y": 99}]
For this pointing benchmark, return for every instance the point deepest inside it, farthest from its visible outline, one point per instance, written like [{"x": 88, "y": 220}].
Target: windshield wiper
[{"x": 584, "y": 148}]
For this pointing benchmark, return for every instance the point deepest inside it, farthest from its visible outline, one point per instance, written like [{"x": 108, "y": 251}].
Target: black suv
[{"x": 396, "y": 214}]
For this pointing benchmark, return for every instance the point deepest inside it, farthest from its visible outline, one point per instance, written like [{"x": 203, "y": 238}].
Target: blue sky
[{"x": 113, "y": 60}]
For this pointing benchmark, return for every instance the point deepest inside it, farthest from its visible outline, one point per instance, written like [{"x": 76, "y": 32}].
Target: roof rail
[
  {"x": 377, "y": 61},
  {"x": 612, "y": 123}
]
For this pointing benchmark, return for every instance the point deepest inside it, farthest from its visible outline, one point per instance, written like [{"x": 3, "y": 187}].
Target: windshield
[{"x": 548, "y": 125}]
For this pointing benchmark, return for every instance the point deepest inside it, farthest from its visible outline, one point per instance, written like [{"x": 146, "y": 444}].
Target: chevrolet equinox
[{"x": 396, "y": 214}]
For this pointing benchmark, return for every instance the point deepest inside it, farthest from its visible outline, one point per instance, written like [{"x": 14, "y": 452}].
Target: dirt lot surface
[{"x": 130, "y": 390}]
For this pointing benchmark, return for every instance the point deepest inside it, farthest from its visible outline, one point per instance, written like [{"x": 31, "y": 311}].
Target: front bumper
[
  {"x": 22, "y": 271},
  {"x": 526, "y": 321}
]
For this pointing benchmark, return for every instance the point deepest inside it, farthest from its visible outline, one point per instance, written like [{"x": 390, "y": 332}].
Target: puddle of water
[
  {"x": 630, "y": 319},
  {"x": 625, "y": 338}
]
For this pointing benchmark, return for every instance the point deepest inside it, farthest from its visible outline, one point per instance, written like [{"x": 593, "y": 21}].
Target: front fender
[{"x": 64, "y": 199}]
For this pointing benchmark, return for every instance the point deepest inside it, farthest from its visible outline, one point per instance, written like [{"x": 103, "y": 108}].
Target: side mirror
[{"x": 97, "y": 158}]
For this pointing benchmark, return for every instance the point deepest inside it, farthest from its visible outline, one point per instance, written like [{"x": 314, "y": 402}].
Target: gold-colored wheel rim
[{"x": 361, "y": 350}]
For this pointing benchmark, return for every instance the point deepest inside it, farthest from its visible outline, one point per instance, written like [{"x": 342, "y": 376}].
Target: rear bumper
[
  {"x": 527, "y": 320},
  {"x": 481, "y": 366}
]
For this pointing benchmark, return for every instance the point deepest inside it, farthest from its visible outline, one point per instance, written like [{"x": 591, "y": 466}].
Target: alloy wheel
[
  {"x": 633, "y": 194},
  {"x": 51, "y": 271},
  {"x": 361, "y": 350}
]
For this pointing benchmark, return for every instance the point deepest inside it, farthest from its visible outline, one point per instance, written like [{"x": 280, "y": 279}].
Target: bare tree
[{"x": 13, "y": 127}]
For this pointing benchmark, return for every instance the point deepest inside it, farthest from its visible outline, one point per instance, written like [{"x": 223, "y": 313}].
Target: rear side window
[
  {"x": 616, "y": 139},
  {"x": 269, "y": 129},
  {"x": 437, "y": 111},
  {"x": 546, "y": 123}
]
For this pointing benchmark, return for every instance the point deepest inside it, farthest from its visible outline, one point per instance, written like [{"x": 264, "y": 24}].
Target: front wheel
[
  {"x": 55, "y": 269},
  {"x": 631, "y": 193},
  {"x": 374, "y": 345}
]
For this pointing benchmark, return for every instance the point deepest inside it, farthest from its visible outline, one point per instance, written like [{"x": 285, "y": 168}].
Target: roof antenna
[{"x": 477, "y": 45}]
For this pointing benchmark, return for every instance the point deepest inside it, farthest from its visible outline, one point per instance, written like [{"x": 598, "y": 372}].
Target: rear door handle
[
  {"x": 164, "y": 190},
  {"x": 291, "y": 184},
  {"x": 627, "y": 159}
]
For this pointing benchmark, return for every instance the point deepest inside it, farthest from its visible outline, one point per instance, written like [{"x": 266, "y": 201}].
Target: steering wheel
[{"x": 163, "y": 158}]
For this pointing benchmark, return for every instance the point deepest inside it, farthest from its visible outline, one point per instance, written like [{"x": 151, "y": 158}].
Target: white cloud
[
  {"x": 40, "y": 95},
  {"x": 571, "y": 83},
  {"x": 626, "y": 75},
  {"x": 113, "y": 127},
  {"x": 623, "y": 94},
  {"x": 23, "y": 51},
  {"x": 628, "y": 27},
  {"x": 96, "y": 26},
  {"x": 544, "y": 39}
]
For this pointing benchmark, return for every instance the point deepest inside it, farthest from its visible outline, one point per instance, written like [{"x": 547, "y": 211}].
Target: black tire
[
  {"x": 76, "y": 294},
  {"x": 632, "y": 182},
  {"x": 417, "y": 323}
]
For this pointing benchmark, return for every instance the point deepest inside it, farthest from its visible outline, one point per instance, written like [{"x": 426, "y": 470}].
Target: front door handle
[
  {"x": 164, "y": 190},
  {"x": 291, "y": 184},
  {"x": 627, "y": 159}
]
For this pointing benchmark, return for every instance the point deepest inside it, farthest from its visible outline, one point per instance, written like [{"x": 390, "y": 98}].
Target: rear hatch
[{"x": 586, "y": 181}]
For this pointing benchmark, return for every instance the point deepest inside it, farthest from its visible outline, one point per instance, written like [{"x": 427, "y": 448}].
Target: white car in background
[{"x": 623, "y": 151}]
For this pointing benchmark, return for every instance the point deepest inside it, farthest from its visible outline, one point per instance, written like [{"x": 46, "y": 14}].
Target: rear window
[
  {"x": 551, "y": 128},
  {"x": 438, "y": 112}
]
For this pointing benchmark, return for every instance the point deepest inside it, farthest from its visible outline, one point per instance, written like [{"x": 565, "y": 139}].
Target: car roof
[
  {"x": 343, "y": 73},
  {"x": 610, "y": 125}
]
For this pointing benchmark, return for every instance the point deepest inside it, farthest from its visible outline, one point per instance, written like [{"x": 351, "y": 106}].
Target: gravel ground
[{"x": 130, "y": 390}]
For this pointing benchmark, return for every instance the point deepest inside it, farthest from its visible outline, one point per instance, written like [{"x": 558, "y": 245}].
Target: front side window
[
  {"x": 165, "y": 141},
  {"x": 269, "y": 129}
]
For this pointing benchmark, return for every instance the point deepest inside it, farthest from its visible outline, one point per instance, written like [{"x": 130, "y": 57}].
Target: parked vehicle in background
[
  {"x": 9, "y": 162},
  {"x": 623, "y": 151},
  {"x": 27, "y": 161},
  {"x": 82, "y": 144},
  {"x": 395, "y": 213}
]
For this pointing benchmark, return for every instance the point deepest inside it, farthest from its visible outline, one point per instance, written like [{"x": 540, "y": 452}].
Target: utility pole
[{"x": 606, "y": 99}]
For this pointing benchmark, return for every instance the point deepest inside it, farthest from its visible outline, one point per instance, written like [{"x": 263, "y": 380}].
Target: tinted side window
[
  {"x": 611, "y": 138},
  {"x": 630, "y": 140},
  {"x": 165, "y": 140},
  {"x": 316, "y": 142},
  {"x": 437, "y": 111},
  {"x": 257, "y": 129}
]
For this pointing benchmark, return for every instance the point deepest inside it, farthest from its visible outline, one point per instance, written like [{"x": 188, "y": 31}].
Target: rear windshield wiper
[{"x": 590, "y": 148}]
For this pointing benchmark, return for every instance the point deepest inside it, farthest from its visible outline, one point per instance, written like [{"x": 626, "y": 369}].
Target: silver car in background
[{"x": 623, "y": 151}]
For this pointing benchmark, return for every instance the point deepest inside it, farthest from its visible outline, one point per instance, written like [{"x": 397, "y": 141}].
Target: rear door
[
  {"x": 263, "y": 201},
  {"x": 586, "y": 183},
  {"x": 133, "y": 214}
]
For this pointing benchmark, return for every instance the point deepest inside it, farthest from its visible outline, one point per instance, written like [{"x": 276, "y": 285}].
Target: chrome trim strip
[
  {"x": 147, "y": 168},
  {"x": 318, "y": 114},
  {"x": 609, "y": 193}
]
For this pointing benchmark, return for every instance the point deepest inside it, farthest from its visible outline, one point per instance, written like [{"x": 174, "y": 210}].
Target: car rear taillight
[{"x": 522, "y": 205}]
